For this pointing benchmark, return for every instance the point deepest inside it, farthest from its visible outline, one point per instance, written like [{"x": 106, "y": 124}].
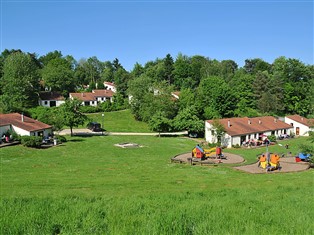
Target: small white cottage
[{"x": 301, "y": 125}]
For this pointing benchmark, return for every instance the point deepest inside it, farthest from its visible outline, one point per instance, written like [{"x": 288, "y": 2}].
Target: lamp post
[{"x": 102, "y": 125}]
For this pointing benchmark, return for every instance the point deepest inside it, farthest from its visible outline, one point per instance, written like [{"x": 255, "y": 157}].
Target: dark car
[{"x": 94, "y": 126}]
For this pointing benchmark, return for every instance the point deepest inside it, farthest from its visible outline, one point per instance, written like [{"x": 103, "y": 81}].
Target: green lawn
[
  {"x": 119, "y": 121},
  {"x": 89, "y": 186}
]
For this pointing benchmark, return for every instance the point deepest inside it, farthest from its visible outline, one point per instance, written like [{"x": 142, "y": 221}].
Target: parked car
[{"x": 94, "y": 126}]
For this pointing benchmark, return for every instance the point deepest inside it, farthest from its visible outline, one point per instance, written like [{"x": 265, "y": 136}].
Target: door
[
  {"x": 297, "y": 131},
  {"x": 52, "y": 103}
]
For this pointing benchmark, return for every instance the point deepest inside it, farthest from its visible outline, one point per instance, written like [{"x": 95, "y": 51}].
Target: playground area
[
  {"x": 287, "y": 164},
  {"x": 228, "y": 159},
  {"x": 271, "y": 163}
]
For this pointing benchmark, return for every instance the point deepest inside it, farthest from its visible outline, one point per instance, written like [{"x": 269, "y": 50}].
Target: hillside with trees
[{"x": 209, "y": 88}]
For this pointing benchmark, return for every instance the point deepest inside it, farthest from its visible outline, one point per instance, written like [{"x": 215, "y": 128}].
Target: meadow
[
  {"x": 89, "y": 186},
  {"x": 118, "y": 121}
]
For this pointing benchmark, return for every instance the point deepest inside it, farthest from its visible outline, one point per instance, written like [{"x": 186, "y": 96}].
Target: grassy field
[
  {"x": 89, "y": 186},
  {"x": 119, "y": 121}
]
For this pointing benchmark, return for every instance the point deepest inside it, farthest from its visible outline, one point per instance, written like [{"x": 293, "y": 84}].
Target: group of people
[
  {"x": 5, "y": 138},
  {"x": 255, "y": 142}
]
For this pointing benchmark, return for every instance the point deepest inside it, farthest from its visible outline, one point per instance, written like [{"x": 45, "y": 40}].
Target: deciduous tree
[
  {"x": 71, "y": 114},
  {"x": 20, "y": 82}
]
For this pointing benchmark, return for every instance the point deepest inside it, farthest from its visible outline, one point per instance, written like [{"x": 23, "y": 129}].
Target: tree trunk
[{"x": 71, "y": 128}]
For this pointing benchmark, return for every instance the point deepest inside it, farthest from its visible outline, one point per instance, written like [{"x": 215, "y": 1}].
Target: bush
[
  {"x": 236, "y": 146},
  {"x": 13, "y": 136},
  {"x": 31, "y": 141},
  {"x": 60, "y": 139},
  {"x": 90, "y": 109},
  {"x": 212, "y": 145},
  {"x": 106, "y": 106},
  {"x": 306, "y": 148},
  {"x": 272, "y": 138}
]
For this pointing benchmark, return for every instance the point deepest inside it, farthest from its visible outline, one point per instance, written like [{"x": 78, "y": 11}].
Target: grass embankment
[
  {"x": 89, "y": 186},
  {"x": 118, "y": 121}
]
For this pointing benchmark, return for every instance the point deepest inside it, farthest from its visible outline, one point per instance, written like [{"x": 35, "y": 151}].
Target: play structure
[
  {"x": 269, "y": 161},
  {"x": 199, "y": 152},
  {"x": 303, "y": 157}
]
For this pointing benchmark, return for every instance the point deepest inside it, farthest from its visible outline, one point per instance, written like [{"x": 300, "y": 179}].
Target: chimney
[
  {"x": 229, "y": 123},
  {"x": 259, "y": 121},
  {"x": 22, "y": 117},
  {"x": 83, "y": 94},
  {"x": 249, "y": 121},
  {"x": 275, "y": 120},
  {"x": 302, "y": 118}
]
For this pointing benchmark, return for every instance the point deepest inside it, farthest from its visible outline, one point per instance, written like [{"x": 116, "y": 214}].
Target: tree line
[{"x": 209, "y": 89}]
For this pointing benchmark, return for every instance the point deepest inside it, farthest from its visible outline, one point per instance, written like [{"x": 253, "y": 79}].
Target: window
[{"x": 46, "y": 102}]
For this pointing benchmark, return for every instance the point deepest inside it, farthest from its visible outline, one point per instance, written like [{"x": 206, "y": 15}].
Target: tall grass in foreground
[
  {"x": 225, "y": 211},
  {"x": 89, "y": 186}
]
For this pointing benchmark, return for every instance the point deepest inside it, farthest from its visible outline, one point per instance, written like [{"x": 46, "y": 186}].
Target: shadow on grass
[
  {"x": 170, "y": 135},
  {"x": 76, "y": 140}
]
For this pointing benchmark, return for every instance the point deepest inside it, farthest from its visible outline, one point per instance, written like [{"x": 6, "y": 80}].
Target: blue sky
[{"x": 140, "y": 31}]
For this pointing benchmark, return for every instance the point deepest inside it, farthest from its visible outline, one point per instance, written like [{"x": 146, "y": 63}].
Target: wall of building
[
  {"x": 46, "y": 103},
  {"x": 303, "y": 129},
  {"x": 20, "y": 131}
]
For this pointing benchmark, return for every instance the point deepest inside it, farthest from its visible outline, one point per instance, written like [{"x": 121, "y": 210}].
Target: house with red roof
[
  {"x": 23, "y": 125},
  {"x": 50, "y": 99},
  {"x": 176, "y": 94},
  {"x": 110, "y": 86},
  {"x": 93, "y": 98},
  {"x": 239, "y": 130},
  {"x": 301, "y": 125}
]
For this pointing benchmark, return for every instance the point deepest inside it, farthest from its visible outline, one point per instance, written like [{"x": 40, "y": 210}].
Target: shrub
[
  {"x": 90, "y": 109},
  {"x": 211, "y": 145},
  {"x": 106, "y": 106},
  {"x": 13, "y": 136},
  {"x": 306, "y": 148},
  {"x": 31, "y": 141},
  {"x": 60, "y": 139},
  {"x": 272, "y": 138},
  {"x": 236, "y": 146}
]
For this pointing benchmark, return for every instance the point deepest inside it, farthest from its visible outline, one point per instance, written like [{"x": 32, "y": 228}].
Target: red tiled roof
[
  {"x": 109, "y": 83},
  {"x": 177, "y": 93},
  {"x": 49, "y": 95},
  {"x": 302, "y": 120},
  {"x": 245, "y": 125},
  {"x": 91, "y": 96},
  {"x": 103, "y": 93},
  {"x": 27, "y": 124}
]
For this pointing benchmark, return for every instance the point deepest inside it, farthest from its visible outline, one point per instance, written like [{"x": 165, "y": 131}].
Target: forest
[{"x": 208, "y": 88}]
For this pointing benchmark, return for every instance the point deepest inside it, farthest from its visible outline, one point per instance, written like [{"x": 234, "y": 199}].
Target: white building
[
  {"x": 50, "y": 99},
  {"x": 110, "y": 86},
  {"x": 93, "y": 98},
  {"x": 23, "y": 125},
  {"x": 301, "y": 125},
  {"x": 239, "y": 130}
]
